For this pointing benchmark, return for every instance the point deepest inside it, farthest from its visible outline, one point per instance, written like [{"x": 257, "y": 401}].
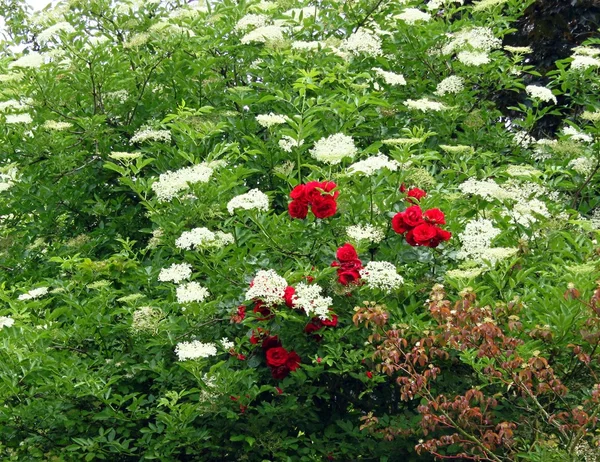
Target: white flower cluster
[
  {"x": 268, "y": 120},
  {"x": 267, "y": 286},
  {"x": 6, "y": 321},
  {"x": 452, "y": 84},
  {"x": 424, "y": 105},
  {"x": 125, "y": 156},
  {"x": 18, "y": 118},
  {"x": 413, "y": 15},
  {"x": 522, "y": 171},
  {"x": 488, "y": 189},
  {"x": 137, "y": 40},
  {"x": 469, "y": 273},
  {"x": 591, "y": 116},
  {"x": 523, "y": 139},
  {"x": 541, "y": 93},
  {"x": 145, "y": 319},
  {"x": 525, "y": 211},
  {"x": 172, "y": 182},
  {"x": 191, "y": 292},
  {"x": 309, "y": 298},
  {"x": 437, "y": 4},
  {"x": 253, "y": 199},
  {"x": 390, "y": 78},
  {"x": 381, "y": 275},
  {"x": 476, "y": 242},
  {"x": 584, "y": 58},
  {"x": 149, "y": 134},
  {"x": 457, "y": 149},
  {"x": 576, "y": 135},
  {"x": 518, "y": 50},
  {"x": 11, "y": 104},
  {"x": 118, "y": 95},
  {"x": 52, "y": 31},
  {"x": 362, "y": 41},
  {"x": 264, "y": 34},
  {"x": 307, "y": 46},
  {"x": 251, "y": 20},
  {"x": 583, "y": 165},
  {"x": 31, "y": 60},
  {"x": 332, "y": 149},
  {"x": 365, "y": 233},
  {"x": 56, "y": 125},
  {"x": 34, "y": 293},
  {"x": 194, "y": 350},
  {"x": 227, "y": 344},
  {"x": 203, "y": 237},
  {"x": 8, "y": 178},
  {"x": 287, "y": 143},
  {"x": 484, "y": 5},
  {"x": 177, "y": 272},
  {"x": 476, "y": 39},
  {"x": 473, "y": 58},
  {"x": 373, "y": 164}
]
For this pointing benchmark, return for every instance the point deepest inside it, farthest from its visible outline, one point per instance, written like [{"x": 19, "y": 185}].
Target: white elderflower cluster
[
  {"x": 149, "y": 134},
  {"x": 591, "y": 116},
  {"x": 518, "y": 50},
  {"x": 525, "y": 211},
  {"x": 251, "y": 20},
  {"x": 523, "y": 139},
  {"x": 457, "y": 149},
  {"x": 170, "y": 183},
  {"x": 56, "y": 125},
  {"x": 595, "y": 218},
  {"x": 390, "y": 78},
  {"x": 332, "y": 149},
  {"x": 469, "y": 273},
  {"x": 34, "y": 293},
  {"x": 453, "y": 84},
  {"x": 194, "y": 350},
  {"x": 227, "y": 344},
  {"x": 125, "y": 156},
  {"x": 522, "y": 171},
  {"x": 425, "y": 105},
  {"x": 268, "y": 120},
  {"x": 267, "y": 286},
  {"x": 252, "y": 200},
  {"x": 264, "y": 34},
  {"x": 177, "y": 272},
  {"x": 309, "y": 298},
  {"x": 413, "y": 15},
  {"x": 576, "y": 135},
  {"x": 191, "y": 292},
  {"x": 473, "y": 58},
  {"x": 584, "y": 58},
  {"x": 307, "y": 46},
  {"x": 484, "y": 5},
  {"x": 118, "y": 95},
  {"x": 31, "y": 60},
  {"x": 365, "y": 233},
  {"x": 381, "y": 275},
  {"x": 362, "y": 41},
  {"x": 542, "y": 150},
  {"x": 373, "y": 164},
  {"x": 541, "y": 93},
  {"x": 583, "y": 165},
  {"x": 11, "y": 104},
  {"x": 477, "y": 239},
  {"x": 137, "y": 40},
  {"x": 12, "y": 77},
  {"x": 488, "y": 189},
  {"x": 203, "y": 237},
  {"x": 6, "y": 321},
  {"x": 52, "y": 31},
  {"x": 437, "y": 4},
  {"x": 287, "y": 143},
  {"x": 18, "y": 118},
  {"x": 145, "y": 320},
  {"x": 476, "y": 39},
  {"x": 7, "y": 178}
]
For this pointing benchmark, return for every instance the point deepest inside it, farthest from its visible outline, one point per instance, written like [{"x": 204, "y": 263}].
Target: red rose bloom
[
  {"x": 312, "y": 189},
  {"x": 298, "y": 209},
  {"x": 293, "y": 361},
  {"x": 330, "y": 322},
  {"x": 299, "y": 193},
  {"x": 312, "y": 327},
  {"x": 398, "y": 223},
  {"x": 352, "y": 265},
  {"x": 443, "y": 235},
  {"x": 262, "y": 309},
  {"x": 424, "y": 233},
  {"x": 271, "y": 342},
  {"x": 288, "y": 296},
  {"x": 435, "y": 216},
  {"x": 280, "y": 373},
  {"x": 324, "y": 207},
  {"x": 346, "y": 253},
  {"x": 347, "y": 277},
  {"x": 277, "y": 356},
  {"x": 413, "y": 216},
  {"x": 410, "y": 238},
  {"x": 416, "y": 193}
]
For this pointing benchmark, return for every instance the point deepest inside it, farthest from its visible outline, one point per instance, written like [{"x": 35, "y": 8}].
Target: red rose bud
[
  {"x": 369, "y": 374},
  {"x": 319, "y": 360},
  {"x": 330, "y": 322},
  {"x": 402, "y": 188},
  {"x": 288, "y": 296},
  {"x": 279, "y": 390},
  {"x": 416, "y": 193}
]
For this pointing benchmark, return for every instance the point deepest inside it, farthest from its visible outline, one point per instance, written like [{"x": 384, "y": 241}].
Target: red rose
[
  {"x": 410, "y": 238},
  {"x": 330, "y": 322},
  {"x": 413, "y": 216},
  {"x": 271, "y": 342},
  {"x": 288, "y": 296},
  {"x": 264, "y": 310},
  {"x": 443, "y": 235},
  {"x": 398, "y": 223},
  {"x": 299, "y": 193},
  {"x": 424, "y": 233},
  {"x": 435, "y": 216},
  {"x": 347, "y": 277},
  {"x": 351, "y": 265},
  {"x": 313, "y": 326},
  {"x": 313, "y": 187},
  {"x": 277, "y": 356},
  {"x": 241, "y": 357},
  {"x": 280, "y": 373},
  {"x": 416, "y": 193},
  {"x": 298, "y": 209},
  {"x": 324, "y": 207},
  {"x": 402, "y": 188},
  {"x": 293, "y": 361},
  {"x": 346, "y": 252}
]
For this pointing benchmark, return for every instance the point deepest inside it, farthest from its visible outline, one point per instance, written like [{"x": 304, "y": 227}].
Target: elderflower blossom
[
  {"x": 6, "y": 321},
  {"x": 484, "y": 5},
  {"x": 584, "y": 62},
  {"x": 365, "y": 233},
  {"x": 31, "y": 60},
  {"x": 576, "y": 135},
  {"x": 424, "y": 105},
  {"x": 251, "y": 20},
  {"x": 523, "y": 139},
  {"x": 306, "y": 12},
  {"x": 270, "y": 119},
  {"x": 191, "y": 292},
  {"x": 49, "y": 33},
  {"x": 11, "y": 104},
  {"x": 287, "y": 143},
  {"x": 18, "y": 119},
  {"x": 202, "y": 237},
  {"x": 487, "y": 189},
  {"x": 583, "y": 165},
  {"x": 362, "y": 41},
  {"x": 477, "y": 235},
  {"x": 591, "y": 116},
  {"x": 373, "y": 164},
  {"x": 522, "y": 171},
  {"x": 518, "y": 50},
  {"x": 34, "y": 293},
  {"x": 145, "y": 319},
  {"x": 413, "y": 15},
  {"x": 227, "y": 344},
  {"x": 307, "y": 46},
  {"x": 457, "y": 149},
  {"x": 452, "y": 84},
  {"x": 476, "y": 38},
  {"x": 542, "y": 93},
  {"x": 473, "y": 58},
  {"x": 390, "y": 77},
  {"x": 148, "y": 134},
  {"x": 137, "y": 40},
  {"x": 267, "y": 286},
  {"x": 194, "y": 350},
  {"x": 381, "y": 275},
  {"x": 177, "y": 272},
  {"x": 125, "y": 156},
  {"x": 56, "y": 125},
  {"x": 332, "y": 149},
  {"x": 253, "y": 199},
  {"x": 172, "y": 182},
  {"x": 525, "y": 211},
  {"x": 264, "y": 34},
  {"x": 437, "y": 4},
  {"x": 469, "y": 273},
  {"x": 308, "y": 297}
]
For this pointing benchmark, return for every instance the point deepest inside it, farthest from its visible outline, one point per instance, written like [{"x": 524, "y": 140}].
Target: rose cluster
[
  {"x": 280, "y": 361},
  {"x": 315, "y": 195},
  {"x": 348, "y": 265},
  {"x": 420, "y": 228}
]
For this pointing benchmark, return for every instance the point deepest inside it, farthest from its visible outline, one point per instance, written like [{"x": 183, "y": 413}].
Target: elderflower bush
[{"x": 177, "y": 174}]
